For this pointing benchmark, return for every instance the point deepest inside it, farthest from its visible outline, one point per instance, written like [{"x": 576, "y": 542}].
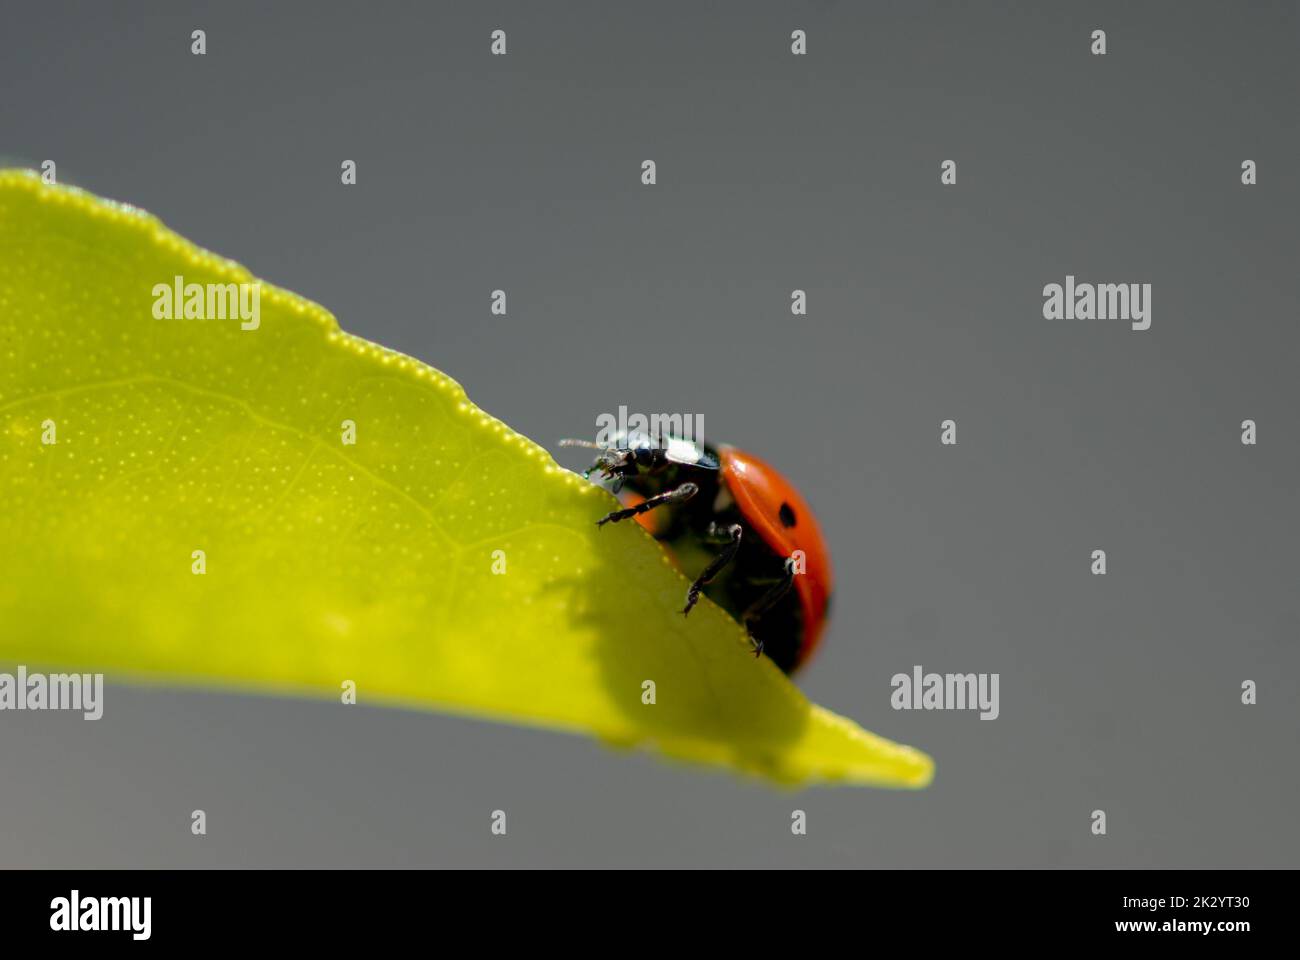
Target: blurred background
[{"x": 775, "y": 172}]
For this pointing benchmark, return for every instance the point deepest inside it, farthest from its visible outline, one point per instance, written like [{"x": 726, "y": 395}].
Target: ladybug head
[
  {"x": 611, "y": 462},
  {"x": 629, "y": 454}
]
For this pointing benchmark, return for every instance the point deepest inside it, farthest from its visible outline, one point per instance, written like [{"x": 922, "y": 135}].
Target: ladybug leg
[
  {"x": 715, "y": 566},
  {"x": 766, "y": 602},
  {"x": 676, "y": 495},
  {"x": 716, "y": 534}
]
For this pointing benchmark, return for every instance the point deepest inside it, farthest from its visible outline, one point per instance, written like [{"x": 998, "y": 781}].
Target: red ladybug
[{"x": 742, "y": 524}]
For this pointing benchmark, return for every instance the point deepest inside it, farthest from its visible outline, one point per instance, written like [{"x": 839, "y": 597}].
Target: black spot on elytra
[{"x": 788, "y": 519}]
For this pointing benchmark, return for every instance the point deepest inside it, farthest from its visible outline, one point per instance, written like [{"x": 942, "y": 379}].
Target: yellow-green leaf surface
[{"x": 327, "y": 562}]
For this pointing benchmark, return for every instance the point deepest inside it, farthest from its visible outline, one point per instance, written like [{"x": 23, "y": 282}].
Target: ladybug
[{"x": 726, "y": 513}]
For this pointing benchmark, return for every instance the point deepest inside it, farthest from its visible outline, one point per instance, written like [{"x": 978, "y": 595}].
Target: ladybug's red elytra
[{"x": 759, "y": 551}]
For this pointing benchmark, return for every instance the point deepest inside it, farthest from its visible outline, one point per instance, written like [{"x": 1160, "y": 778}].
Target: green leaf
[{"x": 327, "y": 562}]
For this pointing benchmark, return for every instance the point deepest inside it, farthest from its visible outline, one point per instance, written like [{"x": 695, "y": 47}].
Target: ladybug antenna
[{"x": 590, "y": 445}]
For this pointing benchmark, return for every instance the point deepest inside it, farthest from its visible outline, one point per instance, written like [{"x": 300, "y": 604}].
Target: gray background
[{"x": 775, "y": 172}]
